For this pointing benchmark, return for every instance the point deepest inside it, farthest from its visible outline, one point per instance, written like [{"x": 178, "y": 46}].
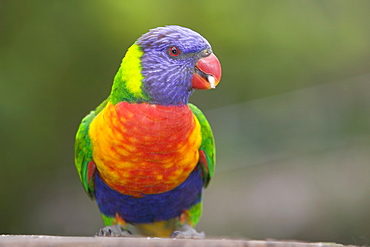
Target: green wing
[
  {"x": 207, "y": 151},
  {"x": 83, "y": 151}
]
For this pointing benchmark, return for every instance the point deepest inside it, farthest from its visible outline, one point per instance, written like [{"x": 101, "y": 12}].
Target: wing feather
[
  {"x": 83, "y": 152},
  {"x": 207, "y": 151}
]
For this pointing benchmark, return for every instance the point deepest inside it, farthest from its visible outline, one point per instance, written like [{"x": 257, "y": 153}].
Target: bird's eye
[{"x": 174, "y": 51}]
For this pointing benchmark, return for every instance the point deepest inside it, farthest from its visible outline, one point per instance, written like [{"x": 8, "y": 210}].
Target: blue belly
[{"x": 149, "y": 208}]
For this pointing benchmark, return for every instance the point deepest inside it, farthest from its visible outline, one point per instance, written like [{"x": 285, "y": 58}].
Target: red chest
[{"x": 143, "y": 148}]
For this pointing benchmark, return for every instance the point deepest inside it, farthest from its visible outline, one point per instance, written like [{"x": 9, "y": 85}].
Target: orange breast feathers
[{"x": 145, "y": 149}]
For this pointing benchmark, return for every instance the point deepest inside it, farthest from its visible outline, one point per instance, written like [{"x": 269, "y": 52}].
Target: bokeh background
[{"x": 291, "y": 115}]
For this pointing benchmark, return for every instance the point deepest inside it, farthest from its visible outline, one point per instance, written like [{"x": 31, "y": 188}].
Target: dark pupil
[{"x": 174, "y": 50}]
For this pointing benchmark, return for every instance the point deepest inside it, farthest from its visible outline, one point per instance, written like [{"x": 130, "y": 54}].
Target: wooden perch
[{"x": 40, "y": 240}]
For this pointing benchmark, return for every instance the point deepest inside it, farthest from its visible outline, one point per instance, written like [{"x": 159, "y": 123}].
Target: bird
[{"x": 145, "y": 154}]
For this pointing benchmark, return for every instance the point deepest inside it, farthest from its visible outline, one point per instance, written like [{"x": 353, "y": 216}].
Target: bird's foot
[
  {"x": 113, "y": 231},
  {"x": 186, "y": 231}
]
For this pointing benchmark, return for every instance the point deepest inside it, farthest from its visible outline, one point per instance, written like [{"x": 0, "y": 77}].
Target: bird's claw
[
  {"x": 186, "y": 231},
  {"x": 113, "y": 231}
]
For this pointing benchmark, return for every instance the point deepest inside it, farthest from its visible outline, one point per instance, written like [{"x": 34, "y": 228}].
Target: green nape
[{"x": 128, "y": 82}]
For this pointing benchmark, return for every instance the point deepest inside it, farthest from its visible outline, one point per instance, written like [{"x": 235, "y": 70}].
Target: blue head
[{"x": 175, "y": 61}]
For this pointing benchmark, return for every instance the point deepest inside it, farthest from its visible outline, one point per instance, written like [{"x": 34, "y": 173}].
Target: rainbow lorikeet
[{"x": 145, "y": 153}]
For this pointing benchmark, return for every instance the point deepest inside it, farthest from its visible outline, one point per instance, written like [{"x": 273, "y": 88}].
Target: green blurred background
[{"x": 291, "y": 115}]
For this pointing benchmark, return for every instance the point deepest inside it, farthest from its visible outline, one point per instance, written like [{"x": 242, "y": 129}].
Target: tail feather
[{"x": 160, "y": 229}]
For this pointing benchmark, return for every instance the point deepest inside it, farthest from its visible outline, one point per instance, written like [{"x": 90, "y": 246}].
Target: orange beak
[{"x": 207, "y": 73}]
